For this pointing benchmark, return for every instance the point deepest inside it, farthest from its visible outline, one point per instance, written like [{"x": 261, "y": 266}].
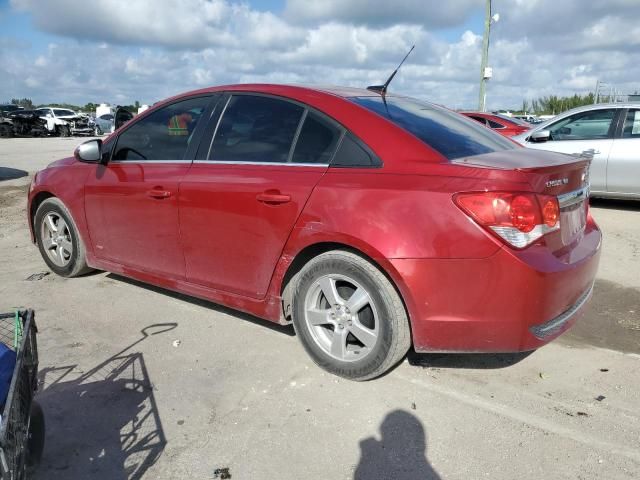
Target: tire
[
  {"x": 35, "y": 442},
  {"x": 59, "y": 243},
  {"x": 349, "y": 317},
  {"x": 98, "y": 131},
  {"x": 64, "y": 130}
]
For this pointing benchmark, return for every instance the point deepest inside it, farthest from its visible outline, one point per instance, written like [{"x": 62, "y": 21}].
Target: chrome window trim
[
  {"x": 147, "y": 162},
  {"x": 571, "y": 198},
  {"x": 266, "y": 164}
]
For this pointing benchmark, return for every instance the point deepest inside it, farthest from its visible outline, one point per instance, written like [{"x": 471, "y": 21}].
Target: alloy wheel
[
  {"x": 56, "y": 239},
  {"x": 341, "y": 317}
]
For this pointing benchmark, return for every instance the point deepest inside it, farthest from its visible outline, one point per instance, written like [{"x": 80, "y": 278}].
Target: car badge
[{"x": 557, "y": 183}]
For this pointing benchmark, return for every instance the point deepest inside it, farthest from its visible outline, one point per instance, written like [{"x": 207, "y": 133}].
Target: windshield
[{"x": 449, "y": 133}]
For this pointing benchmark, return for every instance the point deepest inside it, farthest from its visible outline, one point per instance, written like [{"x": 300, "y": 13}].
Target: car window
[
  {"x": 631, "y": 127},
  {"x": 482, "y": 120},
  {"x": 351, "y": 153},
  {"x": 162, "y": 135},
  {"x": 447, "y": 132},
  {"x": 493, "y": 124},
  {"x": 590, "y": 125},
  {"x": 106, "y": 117},
  {"x": 62, "y": 113},
  {"x": 43, "y": 111},
  {"x": 317, "y": 140},
  {"x": 256, "y": 129}
]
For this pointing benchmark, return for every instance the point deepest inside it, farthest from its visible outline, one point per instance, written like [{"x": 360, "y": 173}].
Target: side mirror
[
  {"x": 49, "y": 115},
  {"x": 540, "y": 136},
  {"x": 89, "y": 151},
  {"x": 121, "y": 117}
]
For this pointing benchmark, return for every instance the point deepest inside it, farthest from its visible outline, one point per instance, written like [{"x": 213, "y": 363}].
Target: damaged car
[
  {"x": 64, "y": 122},
  {"x": 22, "y": 123}
]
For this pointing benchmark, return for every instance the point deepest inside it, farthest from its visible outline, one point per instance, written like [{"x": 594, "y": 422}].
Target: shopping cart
[{"x": 22, "y": 424}]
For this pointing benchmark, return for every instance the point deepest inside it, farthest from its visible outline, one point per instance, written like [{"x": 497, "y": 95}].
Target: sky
[{"x": 114, "y": 51}]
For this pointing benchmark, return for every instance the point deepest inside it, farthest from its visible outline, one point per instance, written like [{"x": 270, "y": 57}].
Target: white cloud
[
  {"x": 430, "y": 13},
  {"x": 108, "y": 50}
]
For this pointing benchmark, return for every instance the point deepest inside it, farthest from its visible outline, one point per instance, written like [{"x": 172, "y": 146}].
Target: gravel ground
[{"x": 139, "y": 382}]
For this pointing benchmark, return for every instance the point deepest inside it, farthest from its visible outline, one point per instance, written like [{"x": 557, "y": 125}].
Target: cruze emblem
[{"x": 557, "y": 183}]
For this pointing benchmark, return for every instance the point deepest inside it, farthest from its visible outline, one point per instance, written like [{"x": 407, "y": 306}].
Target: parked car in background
[
  {"x": 371, "y": 222},
  {"x": 9, "y": 108},
  {"x": 528, "y": 118},
  {"x": 104, "y": 124},
  {"x": 64, "y": 122},
  {"x": 507, "y": 126},
  {"x": 23, "y": 123},
  {"x": 608, "y": 132}
]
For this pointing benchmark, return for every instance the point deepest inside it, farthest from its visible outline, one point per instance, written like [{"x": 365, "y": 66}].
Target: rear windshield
[{"x": 449, "y": 133}]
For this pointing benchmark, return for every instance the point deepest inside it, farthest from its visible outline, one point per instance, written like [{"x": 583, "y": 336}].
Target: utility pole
[{"x": 485, "y": 73}]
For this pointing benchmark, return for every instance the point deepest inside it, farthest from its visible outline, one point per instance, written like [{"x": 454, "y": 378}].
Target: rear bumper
[{"x": 512, "y": 301}]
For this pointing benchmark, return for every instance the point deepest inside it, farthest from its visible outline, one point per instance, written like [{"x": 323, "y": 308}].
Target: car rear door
[
  {"x": 131, "y": 202},
  {"x": 623, "y": 168},
  {"x": 252, "y": 176},
  {"x": 584, "y": 132}
]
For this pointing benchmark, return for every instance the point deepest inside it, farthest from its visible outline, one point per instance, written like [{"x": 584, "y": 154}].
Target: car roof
[{"x": 284, "y": 90}]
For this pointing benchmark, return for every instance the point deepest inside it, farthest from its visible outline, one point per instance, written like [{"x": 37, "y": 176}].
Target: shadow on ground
[
  {"x": 400, "y": 454},
  {"x": 479, "y": 361},
  {"x": 101, "y": 424},
  {"x": 630, "y": 205},
  {"x": 285, "y": 329},
  {"x": 611, "y": 320},
  {"x": 7, "y": 173}
]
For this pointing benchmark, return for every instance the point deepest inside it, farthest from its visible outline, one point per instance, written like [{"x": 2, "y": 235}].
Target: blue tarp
[{"x": 7, "y": 363}]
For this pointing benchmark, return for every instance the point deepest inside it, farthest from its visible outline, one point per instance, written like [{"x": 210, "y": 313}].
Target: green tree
[{"x": 23, "y": 102}]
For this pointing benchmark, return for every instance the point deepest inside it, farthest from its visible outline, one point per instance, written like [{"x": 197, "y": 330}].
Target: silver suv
[{"x": 611, "y": 132}]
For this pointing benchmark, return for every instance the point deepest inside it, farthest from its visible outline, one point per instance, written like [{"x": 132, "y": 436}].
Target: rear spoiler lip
[
  {"x": 579, "y": 162},
  {"x": 573, "y": 160}
]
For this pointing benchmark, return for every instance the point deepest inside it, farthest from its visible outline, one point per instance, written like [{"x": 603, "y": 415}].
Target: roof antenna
[{"x": 382, "y": 89}]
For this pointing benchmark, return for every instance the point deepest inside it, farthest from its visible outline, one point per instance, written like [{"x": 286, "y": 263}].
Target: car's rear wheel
[
  {"x": 349, "y": 317},
  {"x": 58, "y": 240}
]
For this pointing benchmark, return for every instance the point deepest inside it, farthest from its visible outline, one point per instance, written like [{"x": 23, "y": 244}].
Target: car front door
[
  {"x": 247, "y": 187},
  {"x": 584, "y": 132},
  {"x": 623, "y": 168},
  {"x": 131, "y": 202}
]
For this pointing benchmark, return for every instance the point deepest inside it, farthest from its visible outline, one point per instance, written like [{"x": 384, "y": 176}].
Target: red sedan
[
  {"x": 504, "y": 125},
  {"x": 371, "y": 222}
]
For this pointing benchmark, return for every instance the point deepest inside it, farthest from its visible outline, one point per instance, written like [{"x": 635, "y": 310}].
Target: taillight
[{"x": 518, "y": 218}]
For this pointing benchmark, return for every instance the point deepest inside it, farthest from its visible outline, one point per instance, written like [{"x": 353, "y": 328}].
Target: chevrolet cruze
[{"x": 372, "y": 222}]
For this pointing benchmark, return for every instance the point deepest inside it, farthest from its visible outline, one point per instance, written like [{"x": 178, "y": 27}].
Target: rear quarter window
[{"x": 449, "y": 133}]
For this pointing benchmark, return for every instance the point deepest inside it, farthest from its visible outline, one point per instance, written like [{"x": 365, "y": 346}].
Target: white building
[{"x": 103, "y": 109}]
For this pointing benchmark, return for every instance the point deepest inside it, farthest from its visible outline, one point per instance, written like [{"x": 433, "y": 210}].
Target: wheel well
[
  {"x": 312, "y": 251},
  {"x": 35, "y": 203}
]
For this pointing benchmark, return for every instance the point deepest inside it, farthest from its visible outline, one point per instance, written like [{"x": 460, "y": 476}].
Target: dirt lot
[{"x": 138, "y": 382}]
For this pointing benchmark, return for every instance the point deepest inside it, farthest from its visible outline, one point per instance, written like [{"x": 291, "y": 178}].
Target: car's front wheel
[
  {"x": 349, "y": 317},
  {"x": 58, "y": 240}
]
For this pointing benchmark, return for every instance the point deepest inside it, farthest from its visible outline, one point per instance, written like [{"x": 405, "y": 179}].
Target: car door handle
[
  {"x": 158, "y": 193},
  {"x": 273, "y": 197}
]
